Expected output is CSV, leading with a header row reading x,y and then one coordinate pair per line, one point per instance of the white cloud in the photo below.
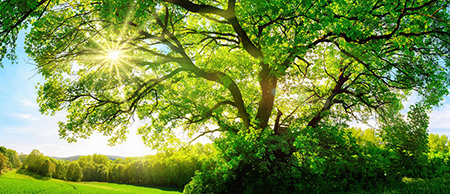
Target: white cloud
x,y
24,116
28,103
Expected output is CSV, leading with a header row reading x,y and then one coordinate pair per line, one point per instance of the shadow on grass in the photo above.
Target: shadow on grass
x,y
32,174
179,189
163,188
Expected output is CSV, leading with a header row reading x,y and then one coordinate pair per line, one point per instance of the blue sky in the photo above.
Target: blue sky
x,y
23,128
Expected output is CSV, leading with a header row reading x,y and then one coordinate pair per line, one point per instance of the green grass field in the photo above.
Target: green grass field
x,y
21,181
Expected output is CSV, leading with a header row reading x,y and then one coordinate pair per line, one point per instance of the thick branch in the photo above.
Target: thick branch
x,y
22,19
229,15
226,81
212,75
330,100
208,113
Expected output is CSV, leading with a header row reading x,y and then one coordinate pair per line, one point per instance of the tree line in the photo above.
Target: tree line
x,y
8,159
171,168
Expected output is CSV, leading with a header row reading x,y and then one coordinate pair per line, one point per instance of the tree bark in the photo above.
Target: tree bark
x,y
268,86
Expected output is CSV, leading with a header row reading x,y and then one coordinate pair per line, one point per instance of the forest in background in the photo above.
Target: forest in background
x,y
170,168
72,158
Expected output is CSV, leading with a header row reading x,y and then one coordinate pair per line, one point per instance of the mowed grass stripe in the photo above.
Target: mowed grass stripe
x,y
13,182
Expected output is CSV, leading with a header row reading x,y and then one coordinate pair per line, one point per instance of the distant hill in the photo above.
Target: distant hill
x,y
73,158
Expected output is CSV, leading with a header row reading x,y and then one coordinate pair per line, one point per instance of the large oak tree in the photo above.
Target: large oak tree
x,y
214,66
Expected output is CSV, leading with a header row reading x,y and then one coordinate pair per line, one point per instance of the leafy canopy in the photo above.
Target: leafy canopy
x,y
191,65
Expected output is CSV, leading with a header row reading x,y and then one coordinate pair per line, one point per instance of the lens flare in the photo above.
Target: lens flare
x,y
114,55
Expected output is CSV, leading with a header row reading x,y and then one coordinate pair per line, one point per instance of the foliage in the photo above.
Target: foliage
x,y
409,185
409,140
13,158
185,64
331,158
17,15
74,172
48,168
247,162
34,161
60,170
3,162
333,161
438,143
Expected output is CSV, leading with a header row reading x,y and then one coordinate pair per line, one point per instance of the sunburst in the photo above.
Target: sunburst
x,y
114,55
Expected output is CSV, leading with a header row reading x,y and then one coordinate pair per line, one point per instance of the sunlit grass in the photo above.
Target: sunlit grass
x,y
22,181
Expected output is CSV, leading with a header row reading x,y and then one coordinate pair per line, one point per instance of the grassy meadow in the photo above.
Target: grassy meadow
x,y
22,181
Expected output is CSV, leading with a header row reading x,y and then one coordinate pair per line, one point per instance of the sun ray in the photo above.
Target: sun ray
x,y
114,55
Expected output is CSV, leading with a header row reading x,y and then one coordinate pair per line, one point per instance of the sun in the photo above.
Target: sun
x,y
114,55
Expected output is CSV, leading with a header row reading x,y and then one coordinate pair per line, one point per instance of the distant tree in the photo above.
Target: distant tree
x,y
438,143
101,159
60,170
74,172
409,138
137,171
22,157
122,171
48,168
182,167
118,160
16,161
89,171
83,161
3,162
113,173
13,158
34,160
3,150
101,173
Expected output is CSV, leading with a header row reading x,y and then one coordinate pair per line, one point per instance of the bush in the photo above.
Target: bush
x,y
327,159
248,163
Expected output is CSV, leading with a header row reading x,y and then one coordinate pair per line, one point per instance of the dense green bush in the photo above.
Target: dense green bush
x,y
326,159
247,163
408,140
